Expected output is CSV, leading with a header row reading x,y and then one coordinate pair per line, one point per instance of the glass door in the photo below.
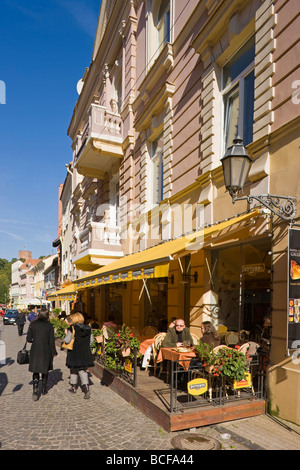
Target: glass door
x,y
241,282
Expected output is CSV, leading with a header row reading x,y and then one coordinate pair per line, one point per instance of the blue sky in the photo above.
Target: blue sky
x,y
45,46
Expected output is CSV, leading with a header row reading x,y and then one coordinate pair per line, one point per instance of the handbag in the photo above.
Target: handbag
x,y
23,356
71,343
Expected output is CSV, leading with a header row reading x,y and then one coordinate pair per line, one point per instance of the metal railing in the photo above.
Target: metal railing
x,y
218,390
129,364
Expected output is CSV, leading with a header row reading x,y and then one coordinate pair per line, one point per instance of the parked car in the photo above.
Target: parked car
x,y
10,317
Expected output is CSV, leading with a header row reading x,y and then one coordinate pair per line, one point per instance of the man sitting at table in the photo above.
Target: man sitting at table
x,y
177,335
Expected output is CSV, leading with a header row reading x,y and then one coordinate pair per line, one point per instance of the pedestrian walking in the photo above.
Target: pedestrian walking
x,y
80,357
20,321
41,335
32,315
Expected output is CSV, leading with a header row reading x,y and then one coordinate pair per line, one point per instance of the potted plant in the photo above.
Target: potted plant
x,y
60,326
98,338
228,363
119,345
231,364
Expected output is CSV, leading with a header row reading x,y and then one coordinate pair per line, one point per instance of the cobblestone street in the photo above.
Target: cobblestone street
x,y
60,421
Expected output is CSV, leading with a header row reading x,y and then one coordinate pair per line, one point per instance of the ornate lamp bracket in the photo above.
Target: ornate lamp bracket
x,y
282,206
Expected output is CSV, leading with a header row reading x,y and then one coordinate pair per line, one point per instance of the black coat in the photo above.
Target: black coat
x,y
41,335
20,319
80,356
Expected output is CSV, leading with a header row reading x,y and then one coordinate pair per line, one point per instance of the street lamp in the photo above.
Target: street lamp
x,y
236,165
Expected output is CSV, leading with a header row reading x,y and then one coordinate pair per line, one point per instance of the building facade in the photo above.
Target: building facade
x,y
154,231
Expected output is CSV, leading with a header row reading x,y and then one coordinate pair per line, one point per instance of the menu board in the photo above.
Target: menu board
x,y
293,333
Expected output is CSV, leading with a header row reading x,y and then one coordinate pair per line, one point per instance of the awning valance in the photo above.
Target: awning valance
x,y
66,293
154,262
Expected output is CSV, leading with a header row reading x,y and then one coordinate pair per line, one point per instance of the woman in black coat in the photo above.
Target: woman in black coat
x,y
80,357
41,335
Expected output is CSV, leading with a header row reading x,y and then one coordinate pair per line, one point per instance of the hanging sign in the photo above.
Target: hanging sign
x,y
293,326
197,386
253,269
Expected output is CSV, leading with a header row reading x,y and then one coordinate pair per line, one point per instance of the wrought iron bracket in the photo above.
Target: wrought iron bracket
x,y
282,206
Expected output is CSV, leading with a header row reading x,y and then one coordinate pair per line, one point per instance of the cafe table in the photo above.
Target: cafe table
x,y
174,356
181,355
145,342
177,355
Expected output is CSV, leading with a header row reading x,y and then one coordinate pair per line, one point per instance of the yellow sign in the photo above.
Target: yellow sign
x,y
243,383
128,365
197,386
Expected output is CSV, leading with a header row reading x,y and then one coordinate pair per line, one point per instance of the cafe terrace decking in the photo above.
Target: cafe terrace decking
x,y
171,407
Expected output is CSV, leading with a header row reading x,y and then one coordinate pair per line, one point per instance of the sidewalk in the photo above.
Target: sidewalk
x,y
60,421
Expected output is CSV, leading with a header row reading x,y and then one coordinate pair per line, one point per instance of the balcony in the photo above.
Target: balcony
x,y
100,144
97,245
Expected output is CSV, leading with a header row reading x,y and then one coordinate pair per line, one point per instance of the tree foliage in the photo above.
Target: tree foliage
x,y
5,279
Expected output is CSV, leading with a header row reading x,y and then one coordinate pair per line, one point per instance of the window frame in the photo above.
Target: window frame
x,y
156,159
153,46
237,84
163,23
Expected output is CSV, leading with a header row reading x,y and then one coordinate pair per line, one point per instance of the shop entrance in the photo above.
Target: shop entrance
x,y
113,304
156,304
241,282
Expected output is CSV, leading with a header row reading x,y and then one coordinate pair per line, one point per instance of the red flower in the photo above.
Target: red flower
x,y
118,334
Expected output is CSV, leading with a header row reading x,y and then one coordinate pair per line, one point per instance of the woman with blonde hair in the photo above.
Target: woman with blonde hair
x,y
80,357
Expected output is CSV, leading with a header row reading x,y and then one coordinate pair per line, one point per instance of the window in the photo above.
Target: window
x,y
159,14
238,95
157,172
163,23
114,204
241,283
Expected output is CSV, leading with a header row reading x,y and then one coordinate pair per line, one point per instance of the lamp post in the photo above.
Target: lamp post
x,y
236,165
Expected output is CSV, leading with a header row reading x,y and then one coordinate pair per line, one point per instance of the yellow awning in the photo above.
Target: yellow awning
x,y
154,262
66,293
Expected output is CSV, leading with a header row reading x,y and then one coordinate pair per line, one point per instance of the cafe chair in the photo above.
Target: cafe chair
x,y
210,371
108,332
244,336
231,338
221,329
150,330
158,339
251,349
195,339
135,331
